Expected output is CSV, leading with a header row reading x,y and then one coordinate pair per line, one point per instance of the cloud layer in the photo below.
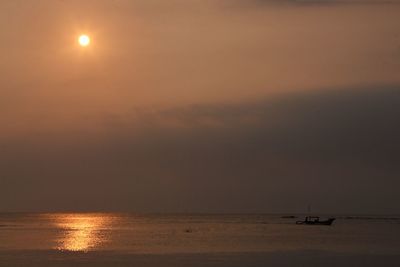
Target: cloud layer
x,y
337,150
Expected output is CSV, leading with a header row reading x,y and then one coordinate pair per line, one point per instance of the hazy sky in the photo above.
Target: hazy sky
x,y
200,105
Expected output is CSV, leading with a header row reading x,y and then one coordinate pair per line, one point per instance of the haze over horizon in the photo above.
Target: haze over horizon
x,y
200,106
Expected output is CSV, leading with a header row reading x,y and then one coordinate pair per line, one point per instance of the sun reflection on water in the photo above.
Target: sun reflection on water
x,y
82,232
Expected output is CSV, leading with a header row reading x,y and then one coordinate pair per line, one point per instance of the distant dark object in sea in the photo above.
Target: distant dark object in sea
x,y
289,217
314,220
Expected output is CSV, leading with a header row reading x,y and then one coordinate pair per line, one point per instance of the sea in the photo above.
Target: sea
x,y
128,239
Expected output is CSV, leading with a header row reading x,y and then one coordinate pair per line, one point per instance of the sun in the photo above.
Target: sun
x,y
84,40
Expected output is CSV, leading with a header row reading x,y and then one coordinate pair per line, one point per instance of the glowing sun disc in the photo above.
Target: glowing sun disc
x,y
84,40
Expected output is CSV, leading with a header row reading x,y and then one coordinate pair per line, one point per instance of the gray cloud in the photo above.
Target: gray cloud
x,y
338,150
324,2
306,3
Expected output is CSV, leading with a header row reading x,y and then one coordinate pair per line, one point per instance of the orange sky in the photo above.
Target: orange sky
x,y
152,53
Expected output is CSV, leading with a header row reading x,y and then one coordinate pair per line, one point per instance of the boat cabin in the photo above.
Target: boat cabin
x,y
313,219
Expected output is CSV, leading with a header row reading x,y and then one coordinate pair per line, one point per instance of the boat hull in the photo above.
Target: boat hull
x,y
326,222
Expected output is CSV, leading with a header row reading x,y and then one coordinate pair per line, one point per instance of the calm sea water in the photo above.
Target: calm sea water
x,y
193,233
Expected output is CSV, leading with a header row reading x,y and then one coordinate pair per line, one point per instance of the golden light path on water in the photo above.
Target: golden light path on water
x,y
82,232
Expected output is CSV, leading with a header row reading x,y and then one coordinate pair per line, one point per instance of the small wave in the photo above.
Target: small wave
x,y
371,218
8,225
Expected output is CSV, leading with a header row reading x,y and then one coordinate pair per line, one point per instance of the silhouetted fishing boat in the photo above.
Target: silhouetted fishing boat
x,y
314,220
